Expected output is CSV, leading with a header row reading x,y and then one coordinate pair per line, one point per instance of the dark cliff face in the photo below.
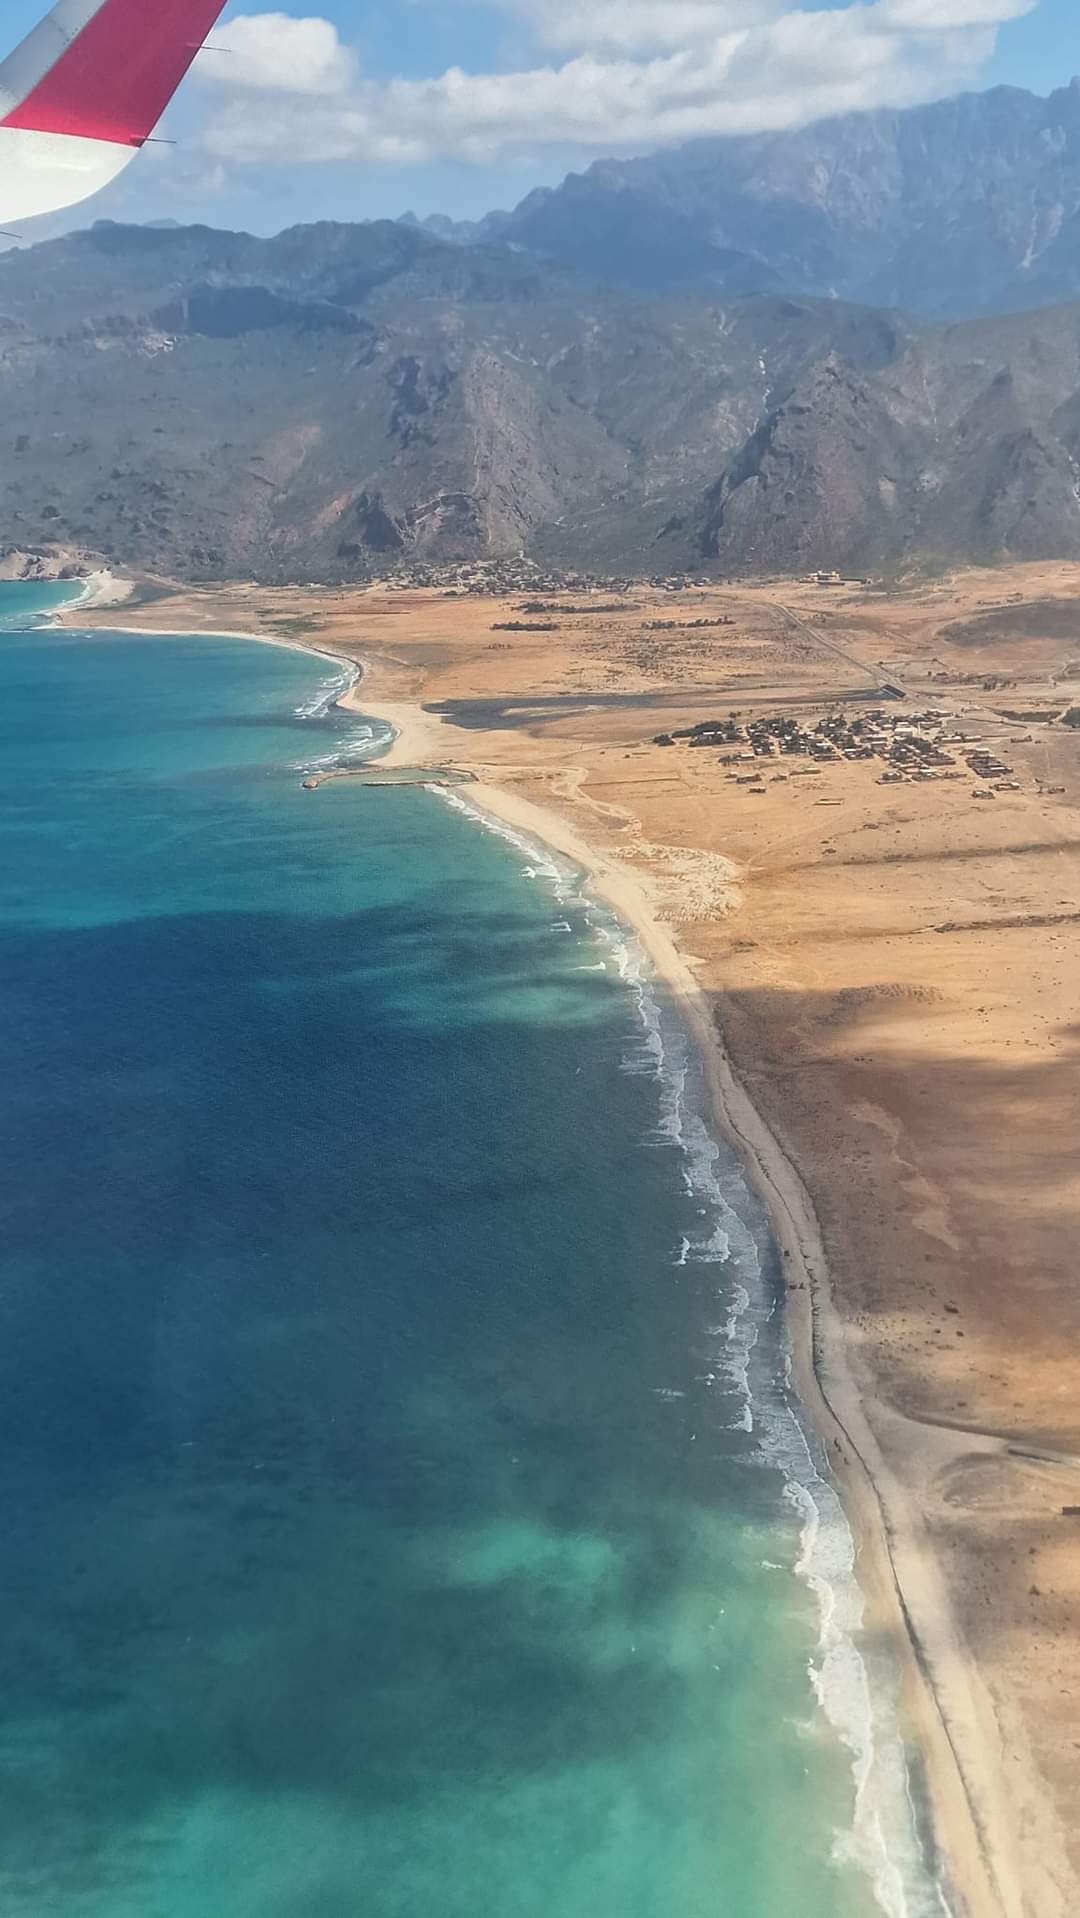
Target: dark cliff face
x,y
339,398
971,205
961,448
829,472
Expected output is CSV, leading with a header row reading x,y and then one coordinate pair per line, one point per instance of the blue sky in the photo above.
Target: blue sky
x,y
1040,52
342,108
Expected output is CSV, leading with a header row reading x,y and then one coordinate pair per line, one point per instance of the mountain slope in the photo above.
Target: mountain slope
x,y
962,447
209,403
340,399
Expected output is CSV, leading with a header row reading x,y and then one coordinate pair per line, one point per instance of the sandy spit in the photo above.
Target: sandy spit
x,y
103,588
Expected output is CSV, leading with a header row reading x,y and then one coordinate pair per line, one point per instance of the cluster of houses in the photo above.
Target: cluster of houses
x,y
494,578
911,745
514,573
998,777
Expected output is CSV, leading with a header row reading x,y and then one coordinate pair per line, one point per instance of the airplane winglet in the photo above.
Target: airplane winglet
x,y
85,90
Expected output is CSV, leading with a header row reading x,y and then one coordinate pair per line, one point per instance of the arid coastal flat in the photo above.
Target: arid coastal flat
x,y
864,839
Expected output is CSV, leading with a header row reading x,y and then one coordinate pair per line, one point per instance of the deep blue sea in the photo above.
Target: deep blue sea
x,y
401,1509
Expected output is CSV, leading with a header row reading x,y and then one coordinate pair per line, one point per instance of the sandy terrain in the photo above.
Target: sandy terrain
x,y
892,972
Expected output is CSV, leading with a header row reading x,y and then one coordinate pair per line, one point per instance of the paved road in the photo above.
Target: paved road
x,y
818,638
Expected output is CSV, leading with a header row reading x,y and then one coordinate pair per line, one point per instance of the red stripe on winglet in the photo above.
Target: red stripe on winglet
x,y
119,74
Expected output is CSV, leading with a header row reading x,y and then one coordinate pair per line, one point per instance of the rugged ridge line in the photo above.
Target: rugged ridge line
x,y
341,399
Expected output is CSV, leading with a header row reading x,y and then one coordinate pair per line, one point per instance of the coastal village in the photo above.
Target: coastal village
x,y
682,641
916,747
875,724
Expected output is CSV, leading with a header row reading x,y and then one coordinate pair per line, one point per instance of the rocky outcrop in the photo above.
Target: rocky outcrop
x,y
16,563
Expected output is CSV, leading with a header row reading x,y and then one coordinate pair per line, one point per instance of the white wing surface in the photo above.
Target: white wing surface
x,y
85,90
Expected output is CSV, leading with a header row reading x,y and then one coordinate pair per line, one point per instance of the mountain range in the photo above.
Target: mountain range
x,y
340,399
970,205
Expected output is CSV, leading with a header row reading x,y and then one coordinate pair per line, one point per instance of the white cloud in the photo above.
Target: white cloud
x,y
642,73
936,16
639,26
275,53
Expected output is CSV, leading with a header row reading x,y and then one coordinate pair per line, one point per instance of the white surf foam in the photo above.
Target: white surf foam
x,y
883,1837
564,879
358,737
330,691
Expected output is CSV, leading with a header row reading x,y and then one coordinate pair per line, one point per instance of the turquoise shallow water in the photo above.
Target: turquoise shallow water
x,y
400,1508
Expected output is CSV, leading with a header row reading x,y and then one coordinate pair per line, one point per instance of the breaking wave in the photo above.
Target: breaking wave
x,y
350,738
329,692
732,1236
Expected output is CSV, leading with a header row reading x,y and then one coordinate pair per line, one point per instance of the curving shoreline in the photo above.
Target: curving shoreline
x,y
947,1705
895,1568
951,1718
